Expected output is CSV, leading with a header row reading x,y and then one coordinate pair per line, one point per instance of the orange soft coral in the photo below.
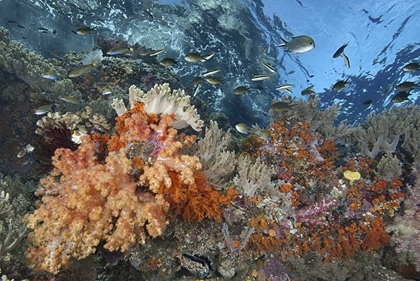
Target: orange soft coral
x,y
118,189
90,202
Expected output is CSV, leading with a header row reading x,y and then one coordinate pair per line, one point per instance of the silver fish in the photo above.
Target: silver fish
x,y
340,50
298,44
43,109
242,128
260,77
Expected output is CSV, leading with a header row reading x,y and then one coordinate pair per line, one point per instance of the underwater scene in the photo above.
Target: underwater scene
x,y
209,140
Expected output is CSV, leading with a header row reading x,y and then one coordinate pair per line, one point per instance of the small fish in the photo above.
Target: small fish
x,y
119,50
407,85
21,26
281,106
21,153
260,77
51,76
197,80
367,102
346,60
106,91
264,50
269,66
211,72
85,30
11,21
242,128
70,99
308,91
288,91
29,148
340,50
43,109
157,52
43,29
240,90
196,57
285,86
167,62
128,69
400,97
148,13
265,135
213,80
298,44
197,87
339,85
81,70
414,66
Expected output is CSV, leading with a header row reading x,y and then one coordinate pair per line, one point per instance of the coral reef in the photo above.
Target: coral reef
x,y
12,209
405,229
217,161
119,189
161,99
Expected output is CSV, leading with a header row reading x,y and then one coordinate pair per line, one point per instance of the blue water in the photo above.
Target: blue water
x,y
382,35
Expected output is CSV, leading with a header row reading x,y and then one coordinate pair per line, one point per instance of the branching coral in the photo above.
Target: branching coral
x,y
12,230
253,176
212,150
405,229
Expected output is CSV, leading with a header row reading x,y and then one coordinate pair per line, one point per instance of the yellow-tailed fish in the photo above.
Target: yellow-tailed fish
x,y
240,90
70,99
207,57
168,62
346,60
281,106
284,86
51,75
269,66
43,109
400,97
197,80
106,91
213,80
340,50
265,134
127,69
197,87
29,148
308,91
157,52
21,153
81,70
339,85
194,57
260,77
414,66
264,50
211,72
298,44
119,50
242,128
407,85
288,91
85,30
